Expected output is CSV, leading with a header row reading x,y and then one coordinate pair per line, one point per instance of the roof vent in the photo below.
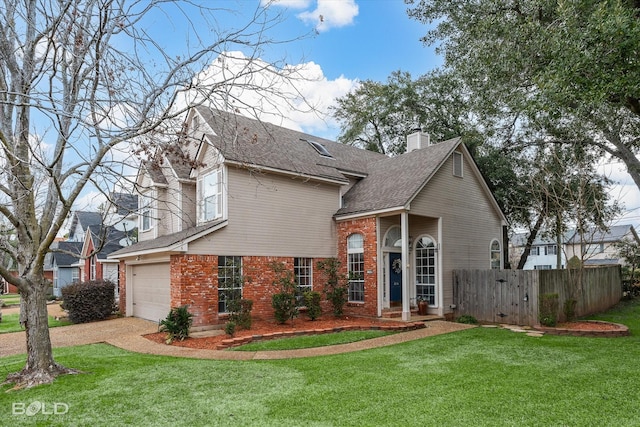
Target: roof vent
x,y
321,149
417,140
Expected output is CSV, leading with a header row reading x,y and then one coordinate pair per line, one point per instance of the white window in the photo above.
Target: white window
x,y
393,238
551,250
210,190
496,255
535,250
75,274
229,280
92,271
355,267
542,267
303,271
146,212
457,164
426,270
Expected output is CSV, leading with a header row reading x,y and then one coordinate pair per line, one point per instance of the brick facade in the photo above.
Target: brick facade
x,y
122,287
366,227
194,282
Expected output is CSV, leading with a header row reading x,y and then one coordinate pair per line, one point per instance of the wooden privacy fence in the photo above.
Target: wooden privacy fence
x,y
512,296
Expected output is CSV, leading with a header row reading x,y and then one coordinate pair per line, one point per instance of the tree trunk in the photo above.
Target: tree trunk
x,y
530,240
40,367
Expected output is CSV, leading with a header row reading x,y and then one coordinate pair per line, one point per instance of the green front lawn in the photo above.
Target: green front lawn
x,y
477,377
311,341
10,299
11,323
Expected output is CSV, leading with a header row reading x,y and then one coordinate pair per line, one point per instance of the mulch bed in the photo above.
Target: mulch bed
x,y
299,326
587,328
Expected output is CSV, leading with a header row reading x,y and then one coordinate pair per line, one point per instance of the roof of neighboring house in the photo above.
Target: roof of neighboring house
x,y
260,144
613,234
520,239
381,188
85,219
169,240
62,253
111,243
125,203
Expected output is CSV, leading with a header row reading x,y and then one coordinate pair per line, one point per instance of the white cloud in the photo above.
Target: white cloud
x,y
297,96
331,14
328,13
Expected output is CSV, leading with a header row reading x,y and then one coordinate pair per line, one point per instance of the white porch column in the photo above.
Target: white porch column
x,y
440,278
404,230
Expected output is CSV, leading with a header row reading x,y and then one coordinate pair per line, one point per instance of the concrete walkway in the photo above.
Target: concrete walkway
x,y
127,333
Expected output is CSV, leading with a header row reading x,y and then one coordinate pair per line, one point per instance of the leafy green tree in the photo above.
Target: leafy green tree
x,y
554,71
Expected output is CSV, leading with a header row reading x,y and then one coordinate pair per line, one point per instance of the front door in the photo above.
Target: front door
x,y
395,278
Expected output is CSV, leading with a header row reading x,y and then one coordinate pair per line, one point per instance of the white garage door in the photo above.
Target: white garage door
x,y
151,296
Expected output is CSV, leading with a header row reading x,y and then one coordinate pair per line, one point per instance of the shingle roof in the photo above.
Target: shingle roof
x,y
165,241
256,143
125,203
155,172
66,259
394,181
85,219
614,234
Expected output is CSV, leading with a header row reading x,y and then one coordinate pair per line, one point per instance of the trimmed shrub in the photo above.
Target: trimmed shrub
x,y
468,319
89,301
284,302
177,324
336,284
548,309
240,312
230,328
312,302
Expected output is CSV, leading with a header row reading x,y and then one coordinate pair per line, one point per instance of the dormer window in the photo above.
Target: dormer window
x,y
321,149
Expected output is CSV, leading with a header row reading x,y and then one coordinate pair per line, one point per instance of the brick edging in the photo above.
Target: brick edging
x,y
621,331
235,342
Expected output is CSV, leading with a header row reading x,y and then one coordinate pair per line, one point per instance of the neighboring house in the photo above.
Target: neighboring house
x,y
64,259
543,254
80,222
252,193
598,247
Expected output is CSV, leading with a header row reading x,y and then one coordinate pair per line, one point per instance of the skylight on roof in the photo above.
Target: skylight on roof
x,y
321,149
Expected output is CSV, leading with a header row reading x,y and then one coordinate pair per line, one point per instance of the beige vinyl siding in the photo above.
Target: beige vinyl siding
x,y
274,215
469,221
145,184
188,202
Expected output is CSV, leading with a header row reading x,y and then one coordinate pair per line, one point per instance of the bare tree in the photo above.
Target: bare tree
x,y
82,84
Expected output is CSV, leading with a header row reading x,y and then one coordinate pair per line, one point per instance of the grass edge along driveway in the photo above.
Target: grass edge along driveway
x,y
475,377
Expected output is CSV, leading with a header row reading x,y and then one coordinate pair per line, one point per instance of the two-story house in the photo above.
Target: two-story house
x,y
597,247
251,193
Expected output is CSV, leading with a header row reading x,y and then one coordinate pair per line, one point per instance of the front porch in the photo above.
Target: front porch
x,y
395,313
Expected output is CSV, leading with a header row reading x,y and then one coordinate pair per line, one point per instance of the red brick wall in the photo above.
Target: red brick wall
x,y
122,288
366,227
194,282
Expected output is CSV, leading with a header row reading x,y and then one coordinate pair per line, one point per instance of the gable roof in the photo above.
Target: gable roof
x,y
613,234
85,219
125,203
254,143
66,259
380,190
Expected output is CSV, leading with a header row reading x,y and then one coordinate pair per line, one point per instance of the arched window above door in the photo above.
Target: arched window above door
x,y
393,238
